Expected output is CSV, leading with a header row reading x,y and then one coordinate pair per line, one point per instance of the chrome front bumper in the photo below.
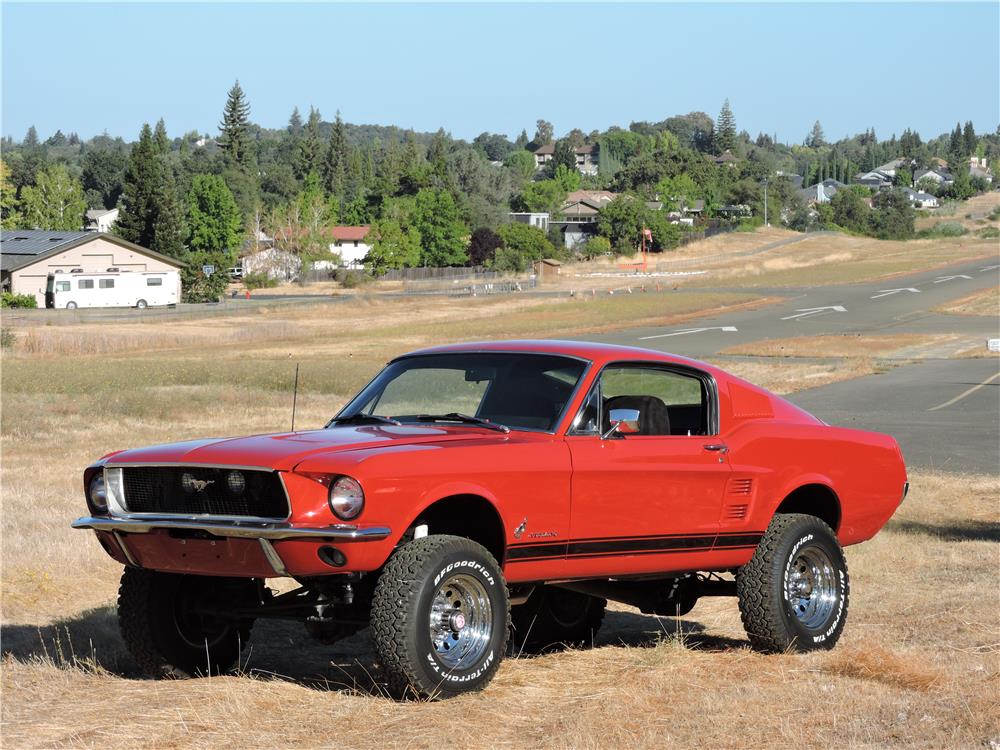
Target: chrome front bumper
x,y
233,528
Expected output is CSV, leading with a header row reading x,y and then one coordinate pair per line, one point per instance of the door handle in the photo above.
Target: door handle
x,y
718,447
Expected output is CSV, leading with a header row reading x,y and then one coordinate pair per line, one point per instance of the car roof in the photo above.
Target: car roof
x,y
590,350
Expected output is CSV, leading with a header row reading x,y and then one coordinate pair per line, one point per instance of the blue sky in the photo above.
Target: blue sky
x,y
472,67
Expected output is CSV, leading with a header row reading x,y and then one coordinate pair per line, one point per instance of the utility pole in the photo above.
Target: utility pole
x,y
766,222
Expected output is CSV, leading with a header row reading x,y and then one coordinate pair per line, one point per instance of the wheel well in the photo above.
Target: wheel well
x,y
814,500
470,516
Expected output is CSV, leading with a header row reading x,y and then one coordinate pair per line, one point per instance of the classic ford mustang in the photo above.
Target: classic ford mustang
x,y
477,494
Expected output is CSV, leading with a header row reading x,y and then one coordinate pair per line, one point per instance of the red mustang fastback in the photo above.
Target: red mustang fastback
x,y
479,493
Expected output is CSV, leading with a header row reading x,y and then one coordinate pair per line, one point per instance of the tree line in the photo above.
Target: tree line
x,y
431,199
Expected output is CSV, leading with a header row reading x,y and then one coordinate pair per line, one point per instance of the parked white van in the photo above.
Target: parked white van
x,y
111,288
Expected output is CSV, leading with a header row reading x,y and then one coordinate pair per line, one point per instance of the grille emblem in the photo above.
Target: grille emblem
x,y
191,485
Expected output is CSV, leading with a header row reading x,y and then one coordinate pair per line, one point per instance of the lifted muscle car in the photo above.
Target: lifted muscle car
x,y
480,497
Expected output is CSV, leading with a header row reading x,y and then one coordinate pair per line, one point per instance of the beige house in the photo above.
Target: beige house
x,y
27,257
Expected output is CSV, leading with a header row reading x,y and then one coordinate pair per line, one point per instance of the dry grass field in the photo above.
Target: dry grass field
x,y
985,302
906,346
919,663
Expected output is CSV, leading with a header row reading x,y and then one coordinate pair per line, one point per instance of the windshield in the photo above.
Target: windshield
x,y
519,391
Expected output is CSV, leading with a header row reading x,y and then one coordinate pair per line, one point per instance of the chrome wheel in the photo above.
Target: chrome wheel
x,y
811,587
461,621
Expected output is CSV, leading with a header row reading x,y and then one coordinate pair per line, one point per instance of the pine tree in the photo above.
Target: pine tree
x,y
234,138
160,138
969,138
725,129
142,175
522,141
295,123
168,222
150,213
816,138
30,138
956,146
335,166
310,148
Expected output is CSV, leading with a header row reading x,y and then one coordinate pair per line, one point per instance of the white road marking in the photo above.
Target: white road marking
x,y
951,278
807,311
969,392
887,292
989,268
728,329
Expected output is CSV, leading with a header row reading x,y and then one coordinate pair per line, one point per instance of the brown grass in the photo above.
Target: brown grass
x,y
853,346
917,666
984,302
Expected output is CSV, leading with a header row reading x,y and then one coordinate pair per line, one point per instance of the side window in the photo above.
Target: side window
x,y
62,286
106,283
85,284
647,401
154,281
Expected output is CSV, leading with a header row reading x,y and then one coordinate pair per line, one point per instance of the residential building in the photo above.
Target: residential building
x,y
890,168
726,158
577,220
938,175
980,168
821,192
100,219
586,157
351,243
538,219
876,179
920,199
28,257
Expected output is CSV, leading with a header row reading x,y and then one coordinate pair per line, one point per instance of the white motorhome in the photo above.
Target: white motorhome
x,y
111,288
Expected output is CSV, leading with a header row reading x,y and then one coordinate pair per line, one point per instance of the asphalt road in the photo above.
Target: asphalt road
x,y
945,413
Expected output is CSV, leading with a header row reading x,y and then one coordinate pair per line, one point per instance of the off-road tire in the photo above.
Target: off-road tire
x,y
768,616
401,610
553,618
149,609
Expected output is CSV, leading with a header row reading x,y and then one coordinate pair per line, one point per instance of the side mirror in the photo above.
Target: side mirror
x,y
623,422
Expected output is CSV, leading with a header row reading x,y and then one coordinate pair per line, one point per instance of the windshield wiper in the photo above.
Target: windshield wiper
x,y
455,416
361,418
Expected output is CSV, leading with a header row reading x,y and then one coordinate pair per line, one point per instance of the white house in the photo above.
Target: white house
x,y
921,199
538,219
351,244
100,219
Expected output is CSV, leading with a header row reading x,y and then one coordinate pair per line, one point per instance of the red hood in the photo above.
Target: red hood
x,y
283,451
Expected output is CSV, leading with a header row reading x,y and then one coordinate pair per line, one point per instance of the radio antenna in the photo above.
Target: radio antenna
x,y
295,394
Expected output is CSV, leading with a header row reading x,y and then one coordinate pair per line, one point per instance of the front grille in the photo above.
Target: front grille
x,y
188,490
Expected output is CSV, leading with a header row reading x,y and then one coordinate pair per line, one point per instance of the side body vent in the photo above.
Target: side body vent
x,y
739,492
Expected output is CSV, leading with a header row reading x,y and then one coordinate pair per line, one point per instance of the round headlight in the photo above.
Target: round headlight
x,y
97,493
347,499
236,482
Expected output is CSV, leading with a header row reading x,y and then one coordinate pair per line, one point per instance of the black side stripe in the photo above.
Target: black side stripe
x,y
631,546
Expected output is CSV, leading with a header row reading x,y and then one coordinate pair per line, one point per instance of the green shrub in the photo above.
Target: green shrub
x,y
595,247
259,280
989,233
9,299
944,229
351,279
995,213
7,338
